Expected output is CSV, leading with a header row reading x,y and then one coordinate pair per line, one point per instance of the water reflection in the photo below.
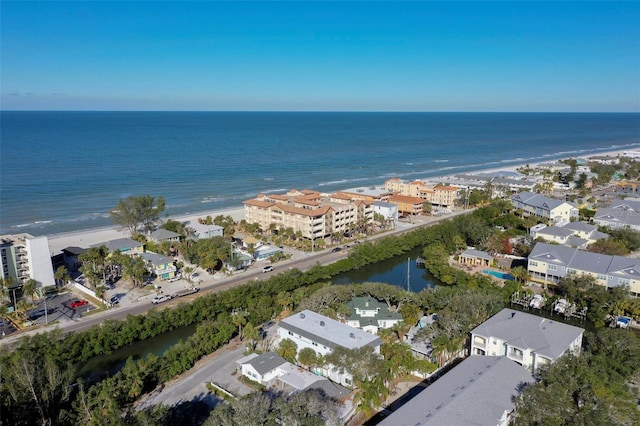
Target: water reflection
x,y
400,271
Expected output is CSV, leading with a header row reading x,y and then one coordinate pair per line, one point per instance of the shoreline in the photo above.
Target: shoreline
x,y
87,237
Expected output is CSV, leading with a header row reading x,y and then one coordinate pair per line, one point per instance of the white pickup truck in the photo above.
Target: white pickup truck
x,y
160,298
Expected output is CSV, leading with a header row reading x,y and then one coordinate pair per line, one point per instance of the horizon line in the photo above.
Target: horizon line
x,y
322,111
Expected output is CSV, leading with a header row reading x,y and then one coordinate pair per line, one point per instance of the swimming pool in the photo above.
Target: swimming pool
x,y
501,275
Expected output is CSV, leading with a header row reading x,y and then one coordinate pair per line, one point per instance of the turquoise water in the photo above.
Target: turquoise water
x,y
501,275
64,171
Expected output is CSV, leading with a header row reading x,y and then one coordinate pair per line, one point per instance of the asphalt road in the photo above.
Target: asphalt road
x,y
304,263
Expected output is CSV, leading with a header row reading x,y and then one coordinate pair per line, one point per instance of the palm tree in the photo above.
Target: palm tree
x,y
31,290
62,276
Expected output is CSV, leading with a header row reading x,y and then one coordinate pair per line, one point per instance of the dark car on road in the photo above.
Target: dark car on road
x,y
336,249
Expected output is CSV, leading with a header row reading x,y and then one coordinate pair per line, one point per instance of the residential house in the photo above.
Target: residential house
x,y
309,329
621,214
478,391
125,246
26,257
527,339
201,232
628,188
272,371
387,210
161,234
533,204
572,234
161,266
549,263
475,257
264,252
70,256
371,315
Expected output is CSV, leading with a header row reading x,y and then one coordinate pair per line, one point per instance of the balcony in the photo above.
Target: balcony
x,y
516,354
480,342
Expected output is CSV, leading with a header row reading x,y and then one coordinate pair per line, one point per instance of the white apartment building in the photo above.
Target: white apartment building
x,y
26,257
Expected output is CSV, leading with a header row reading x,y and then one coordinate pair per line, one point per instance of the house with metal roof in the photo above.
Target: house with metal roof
x,y
162,234
371,315
159,265
549,263
123,245
533,204
309,329
202,232
527,339
478,391
475,257
572,234
621,214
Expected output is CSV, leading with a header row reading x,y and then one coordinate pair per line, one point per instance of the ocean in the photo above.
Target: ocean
x,y
64,171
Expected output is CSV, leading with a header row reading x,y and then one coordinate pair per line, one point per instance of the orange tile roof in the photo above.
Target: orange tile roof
x,y
406,199
258,203
304,212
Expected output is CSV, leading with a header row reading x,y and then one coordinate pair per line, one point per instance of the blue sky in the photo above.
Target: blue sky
x,y
317,56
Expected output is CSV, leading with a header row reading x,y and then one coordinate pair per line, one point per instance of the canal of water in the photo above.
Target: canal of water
x,y
391,271
401,271
100,366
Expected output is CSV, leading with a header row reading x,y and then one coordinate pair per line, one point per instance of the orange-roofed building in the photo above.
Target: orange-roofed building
x,y
444,196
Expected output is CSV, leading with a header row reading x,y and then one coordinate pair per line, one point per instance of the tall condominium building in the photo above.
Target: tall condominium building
x,y
26,257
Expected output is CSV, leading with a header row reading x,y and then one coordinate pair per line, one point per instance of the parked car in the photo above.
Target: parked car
x,y
336,249
160,298
174,279
267,269
77,303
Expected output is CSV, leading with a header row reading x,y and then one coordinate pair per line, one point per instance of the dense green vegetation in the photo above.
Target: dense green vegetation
x,y
38,385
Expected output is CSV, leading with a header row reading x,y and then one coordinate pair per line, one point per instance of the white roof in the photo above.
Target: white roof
x,y
327,331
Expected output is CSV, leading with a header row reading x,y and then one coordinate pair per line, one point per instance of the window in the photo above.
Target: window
x,y
552,267
602,277
623,281
533,263
290,333
571,271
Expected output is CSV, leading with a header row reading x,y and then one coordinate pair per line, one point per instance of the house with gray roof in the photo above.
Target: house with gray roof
x,y
271,370
475,257
478,391
123,245
159,265
161,234
309,329
533,204
572,234
547,264
201,232
527,339
371,315
621,214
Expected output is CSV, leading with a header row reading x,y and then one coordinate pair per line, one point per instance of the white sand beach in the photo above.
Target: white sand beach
x,y
89,237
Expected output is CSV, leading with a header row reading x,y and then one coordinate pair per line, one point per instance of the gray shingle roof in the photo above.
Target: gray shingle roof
x,y
163,234
266,362
156,259
580,227
546,337
475,392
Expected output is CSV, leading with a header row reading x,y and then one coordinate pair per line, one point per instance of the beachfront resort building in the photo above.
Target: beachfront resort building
x,y
533,204
26,257
478,391
312,214
371,315
527,339
438,195
309,329
549,263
